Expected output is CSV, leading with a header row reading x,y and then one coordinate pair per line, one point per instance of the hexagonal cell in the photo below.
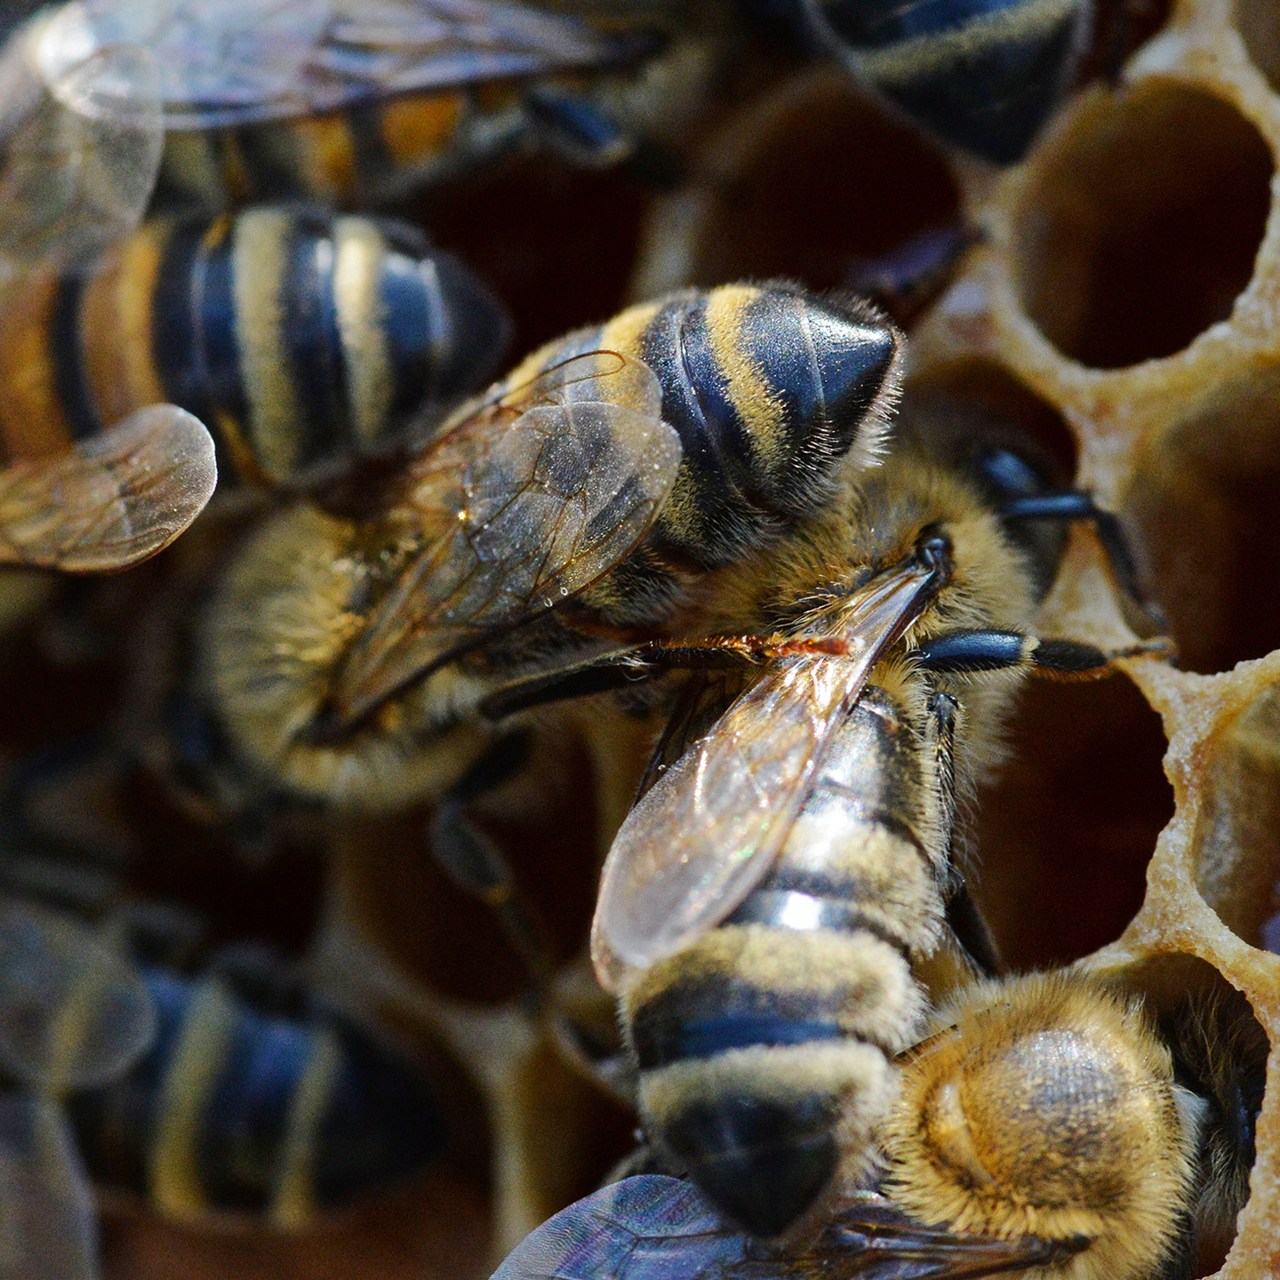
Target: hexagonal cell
x,y
1201,507
1140,223
1258,22
1072,818
992,399
1237,835
810,183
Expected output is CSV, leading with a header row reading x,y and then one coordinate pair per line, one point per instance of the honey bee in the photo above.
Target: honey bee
x,y
347,105
982,76
1041,1127
309,341
217,1102
80,152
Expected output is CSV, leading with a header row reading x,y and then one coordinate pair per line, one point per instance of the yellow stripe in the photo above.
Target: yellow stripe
x,y
173,1172
293,1199
359,249
259,260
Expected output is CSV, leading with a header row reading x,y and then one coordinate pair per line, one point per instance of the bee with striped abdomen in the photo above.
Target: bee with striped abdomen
x,y
239,1098
336,103
309,341
103,503
983,76
1045,1127
705,483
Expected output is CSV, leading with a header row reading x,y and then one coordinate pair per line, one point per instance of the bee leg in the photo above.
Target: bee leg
x,y
963,917
1075,504
968,652
475,863
586,135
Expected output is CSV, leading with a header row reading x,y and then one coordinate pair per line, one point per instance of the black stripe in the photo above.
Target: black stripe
x,y
246,1116
216,353
175,320
313,341
66,354
766,906
662,1045
659,1026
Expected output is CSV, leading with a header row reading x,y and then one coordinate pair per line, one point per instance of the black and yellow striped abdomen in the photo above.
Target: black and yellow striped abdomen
x,y
770,389
765,1047
344,158
234,1110
303,339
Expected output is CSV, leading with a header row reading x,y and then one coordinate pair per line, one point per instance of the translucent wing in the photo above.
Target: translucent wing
x,y
236,62
120,497
48,1227
643,1228
81,134
656,1228
524,504
706,832
73,1013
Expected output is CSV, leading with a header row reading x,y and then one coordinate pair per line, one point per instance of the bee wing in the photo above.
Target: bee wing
x,y
655,1228
236,62
46,1202
643,1228
524,504
707,831
80,139
73,1013
120,497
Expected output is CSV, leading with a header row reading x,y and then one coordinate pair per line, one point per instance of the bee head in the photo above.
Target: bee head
x,y
1046,1108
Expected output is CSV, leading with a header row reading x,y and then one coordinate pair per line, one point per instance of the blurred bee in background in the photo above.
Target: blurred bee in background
x,y
245,1100
1043,1126
979,75
311,342
348,105
80,155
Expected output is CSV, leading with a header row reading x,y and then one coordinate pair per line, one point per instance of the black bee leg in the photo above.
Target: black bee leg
x,y
968,926
586,135
1074,504
966,652
474,862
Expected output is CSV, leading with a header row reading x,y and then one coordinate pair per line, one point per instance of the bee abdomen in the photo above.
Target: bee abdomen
x,y
983,75
234,1110
768,388
762,1051
305,340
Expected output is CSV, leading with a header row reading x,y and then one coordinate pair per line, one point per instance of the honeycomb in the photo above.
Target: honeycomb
x,y
1123,305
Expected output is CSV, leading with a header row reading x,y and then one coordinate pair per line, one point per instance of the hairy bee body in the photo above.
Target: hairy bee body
x,y
1047,1126
235,1110
766,1046
769,390
306,340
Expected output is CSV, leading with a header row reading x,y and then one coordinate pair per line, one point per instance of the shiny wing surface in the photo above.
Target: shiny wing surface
x,y
50,1229
118,498
237,62
707,831
80,142
73,1013
656,1228
643,1228
521,506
